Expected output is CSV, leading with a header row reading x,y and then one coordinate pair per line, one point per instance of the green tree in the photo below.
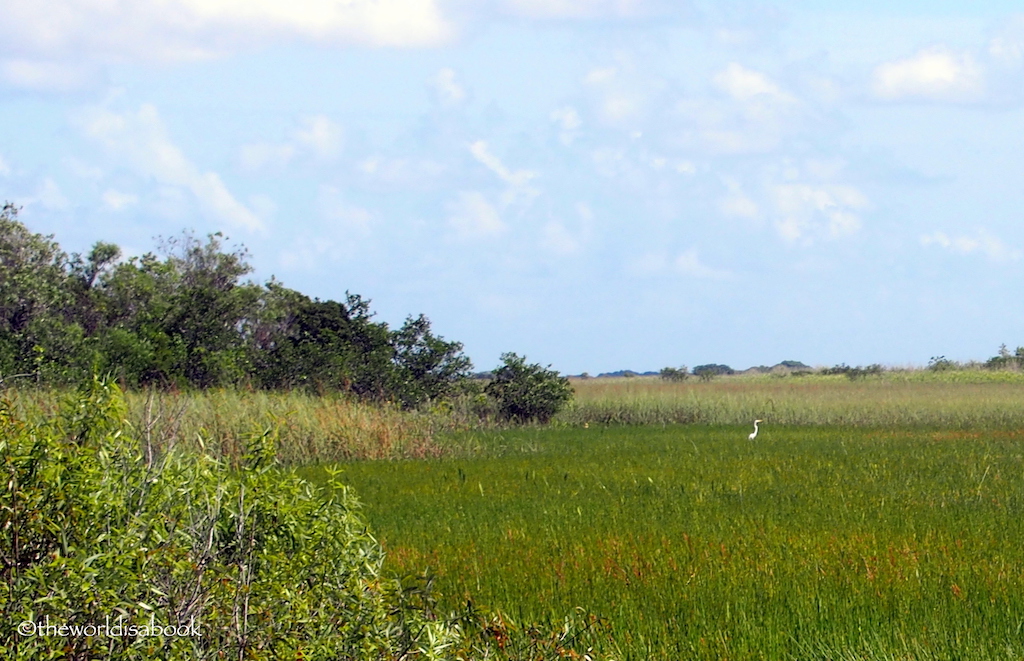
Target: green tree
x,y
426,366
711,370
84,275
209,307
675,374
134,299
526,392
329,345
38,332
188,316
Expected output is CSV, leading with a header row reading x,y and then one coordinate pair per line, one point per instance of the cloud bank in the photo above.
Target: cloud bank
x,y
140,140
59,45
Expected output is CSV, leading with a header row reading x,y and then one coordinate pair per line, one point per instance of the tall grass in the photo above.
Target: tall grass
x,y
333,427
312,428
956,400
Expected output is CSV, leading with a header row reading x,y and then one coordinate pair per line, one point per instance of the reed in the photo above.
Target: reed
x,y
312,428
956,400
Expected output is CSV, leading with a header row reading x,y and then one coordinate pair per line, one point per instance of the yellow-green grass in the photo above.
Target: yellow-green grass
x,y
956,399
334,427
311,428
808,543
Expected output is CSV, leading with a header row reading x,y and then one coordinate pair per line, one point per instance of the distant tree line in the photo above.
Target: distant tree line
x,y
187,316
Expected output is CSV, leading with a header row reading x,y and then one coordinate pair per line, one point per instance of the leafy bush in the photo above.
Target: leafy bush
x,y
527,392
99,531
711,370
854,373
941,364
675,374
1005,360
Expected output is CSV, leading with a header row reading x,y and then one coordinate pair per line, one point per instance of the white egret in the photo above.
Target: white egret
x,y
754,435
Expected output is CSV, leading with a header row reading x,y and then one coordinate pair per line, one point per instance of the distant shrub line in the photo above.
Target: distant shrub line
x,y
1003,361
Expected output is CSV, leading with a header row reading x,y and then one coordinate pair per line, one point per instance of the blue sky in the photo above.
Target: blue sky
x,y
599,184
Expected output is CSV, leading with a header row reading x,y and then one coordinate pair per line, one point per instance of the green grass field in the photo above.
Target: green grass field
x,y
812,542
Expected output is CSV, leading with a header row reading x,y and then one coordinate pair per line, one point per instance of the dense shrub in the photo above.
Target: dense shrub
x,y
527,392
99,531
1006,360
711,370
854,373
674,374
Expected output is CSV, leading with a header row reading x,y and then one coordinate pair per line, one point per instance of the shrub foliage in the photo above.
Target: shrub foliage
x,y
527,392
99,531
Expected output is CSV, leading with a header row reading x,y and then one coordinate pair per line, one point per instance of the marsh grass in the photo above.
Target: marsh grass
x,y
956,399
312,428
333,427
810,543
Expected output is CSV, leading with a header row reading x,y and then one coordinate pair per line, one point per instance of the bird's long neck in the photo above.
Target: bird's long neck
x,y
755,426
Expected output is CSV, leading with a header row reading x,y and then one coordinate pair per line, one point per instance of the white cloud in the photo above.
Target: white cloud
x,y
1007,47
600,75
568,120
341,214
556,238
686,263
316,136
638,168
752,114
49,75
5,169
341,231
118,201
806,210
585,212
84,170
984,244
518,180
446,89
745,84
935,74
481,152
111,31
262,154
623,93
50,196
140,140
307,252
320,136
263,205
736,203
472,216
404,173
583,9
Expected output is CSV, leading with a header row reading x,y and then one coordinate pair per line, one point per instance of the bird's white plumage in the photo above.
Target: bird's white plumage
x,y
754,435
